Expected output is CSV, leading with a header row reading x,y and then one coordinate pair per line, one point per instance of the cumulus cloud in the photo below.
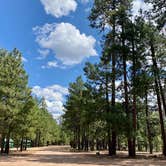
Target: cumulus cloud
x,y
54,96
66,42
50,64
53,64
59,8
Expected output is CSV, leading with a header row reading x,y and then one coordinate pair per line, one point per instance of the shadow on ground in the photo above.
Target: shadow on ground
x,y
63,156
91,159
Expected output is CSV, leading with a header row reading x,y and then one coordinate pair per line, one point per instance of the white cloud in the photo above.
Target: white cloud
x,y
66,41
140,4
59,8
54,96
43,53
50,64
24,59
53,64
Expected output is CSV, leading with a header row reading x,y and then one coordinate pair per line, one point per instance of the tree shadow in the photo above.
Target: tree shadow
x,y
92,159
63,155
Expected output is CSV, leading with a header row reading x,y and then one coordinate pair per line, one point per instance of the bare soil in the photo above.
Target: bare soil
x,y
62,156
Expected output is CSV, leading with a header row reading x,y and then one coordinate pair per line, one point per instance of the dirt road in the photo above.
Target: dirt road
x,y
61,156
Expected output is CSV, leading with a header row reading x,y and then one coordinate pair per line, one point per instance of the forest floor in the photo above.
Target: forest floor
x,y
62,156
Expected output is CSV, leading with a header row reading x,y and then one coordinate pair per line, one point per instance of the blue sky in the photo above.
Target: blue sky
x,y
55,39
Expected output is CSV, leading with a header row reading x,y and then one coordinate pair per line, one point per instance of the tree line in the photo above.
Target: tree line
x,y
23,117
120,103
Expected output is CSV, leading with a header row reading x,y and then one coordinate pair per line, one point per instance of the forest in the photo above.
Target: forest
x,y
24,119
119,104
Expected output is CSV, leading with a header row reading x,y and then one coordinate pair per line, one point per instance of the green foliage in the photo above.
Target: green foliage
x,y
119,90
158,12
22,117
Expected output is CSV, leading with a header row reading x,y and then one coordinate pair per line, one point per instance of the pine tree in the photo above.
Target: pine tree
x,y
103,13
158,12
13,84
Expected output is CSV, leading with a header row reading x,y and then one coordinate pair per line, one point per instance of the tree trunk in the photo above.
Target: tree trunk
x,y
78,139
108,111
148,125
25,147
86,143
162,95
157,75
159,102
7,145
39,135
18,142
118,144
21,145
130,142
2,143
91,144
75,139
36,139
161,118
82,142
87,139
134,97
139,146
113,143
97,144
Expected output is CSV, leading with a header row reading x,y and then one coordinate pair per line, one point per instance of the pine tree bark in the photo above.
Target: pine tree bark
x,y
134,98
86,143
156,72
157,89
39,135
21,144
108,123
26,140
130,142
113,142
78,139
7,145
2,143
148,124
114,137
161,118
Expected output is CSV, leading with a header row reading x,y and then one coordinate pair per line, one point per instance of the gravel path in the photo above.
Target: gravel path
x,y
61,156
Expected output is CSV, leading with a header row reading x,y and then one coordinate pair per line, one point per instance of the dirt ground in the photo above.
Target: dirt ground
x,y
62,156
